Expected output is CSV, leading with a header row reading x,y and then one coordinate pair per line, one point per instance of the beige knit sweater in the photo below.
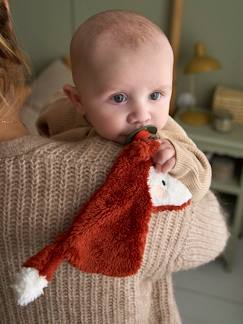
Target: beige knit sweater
x,y
43,184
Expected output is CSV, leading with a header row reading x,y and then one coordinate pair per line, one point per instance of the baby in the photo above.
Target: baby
x,y
122,67
123,77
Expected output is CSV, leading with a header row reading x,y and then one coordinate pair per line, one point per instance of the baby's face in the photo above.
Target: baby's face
x,y
127,89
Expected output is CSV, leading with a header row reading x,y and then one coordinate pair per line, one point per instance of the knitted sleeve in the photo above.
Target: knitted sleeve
x,y
206,235
59,117
192,166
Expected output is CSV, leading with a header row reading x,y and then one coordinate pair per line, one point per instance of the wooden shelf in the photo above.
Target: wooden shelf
x,y
228,144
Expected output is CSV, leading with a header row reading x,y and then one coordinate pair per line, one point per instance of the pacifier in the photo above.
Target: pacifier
x,y
148,131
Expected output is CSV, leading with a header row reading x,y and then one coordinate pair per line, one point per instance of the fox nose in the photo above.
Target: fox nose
x,y
138,116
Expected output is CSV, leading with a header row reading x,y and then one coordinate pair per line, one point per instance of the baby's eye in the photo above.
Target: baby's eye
x,y
119,98
155,95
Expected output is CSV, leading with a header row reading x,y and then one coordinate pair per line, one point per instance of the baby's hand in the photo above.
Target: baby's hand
x,y
164,159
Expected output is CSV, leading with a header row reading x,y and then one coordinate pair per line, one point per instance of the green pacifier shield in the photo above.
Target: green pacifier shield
x,y
150,128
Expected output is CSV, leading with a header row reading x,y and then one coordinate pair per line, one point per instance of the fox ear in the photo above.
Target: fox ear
x,y
73,95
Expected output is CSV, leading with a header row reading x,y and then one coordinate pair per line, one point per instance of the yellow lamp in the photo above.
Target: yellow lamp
x,y
200,62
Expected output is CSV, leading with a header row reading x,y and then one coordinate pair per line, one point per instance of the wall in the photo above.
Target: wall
x,y
158,12
45,28
219,25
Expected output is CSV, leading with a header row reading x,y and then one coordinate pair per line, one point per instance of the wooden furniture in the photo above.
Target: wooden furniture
x,y
230,100
175,33
229,144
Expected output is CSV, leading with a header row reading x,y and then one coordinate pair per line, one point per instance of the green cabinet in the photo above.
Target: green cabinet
x,y
226,144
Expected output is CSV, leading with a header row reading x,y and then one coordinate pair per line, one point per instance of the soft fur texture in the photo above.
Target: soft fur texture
x,y
29,285
108,235
166,190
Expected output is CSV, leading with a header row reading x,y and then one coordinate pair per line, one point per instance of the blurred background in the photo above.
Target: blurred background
x,y
45,29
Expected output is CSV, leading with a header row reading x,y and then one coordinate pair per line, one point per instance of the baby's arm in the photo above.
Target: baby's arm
x,y
191,165
59,120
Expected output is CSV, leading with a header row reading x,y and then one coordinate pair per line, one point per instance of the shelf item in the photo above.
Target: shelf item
x,y
195,118
230,100
222,121
222,168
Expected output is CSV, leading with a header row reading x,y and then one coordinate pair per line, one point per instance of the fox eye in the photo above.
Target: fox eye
x,y
119,98
163,182
156,95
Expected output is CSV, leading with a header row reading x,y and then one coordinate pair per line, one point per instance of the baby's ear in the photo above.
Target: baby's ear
x,y
73,95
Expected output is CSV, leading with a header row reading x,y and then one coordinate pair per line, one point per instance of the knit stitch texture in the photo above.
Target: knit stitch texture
x,y
43,184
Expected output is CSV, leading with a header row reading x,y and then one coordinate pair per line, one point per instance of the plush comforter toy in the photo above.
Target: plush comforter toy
x,y
109,233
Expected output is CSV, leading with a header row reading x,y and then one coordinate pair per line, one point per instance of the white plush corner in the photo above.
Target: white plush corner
x,y
44,88
28,285
166,190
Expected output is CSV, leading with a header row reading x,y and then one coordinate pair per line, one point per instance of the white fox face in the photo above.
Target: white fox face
x,y
166,190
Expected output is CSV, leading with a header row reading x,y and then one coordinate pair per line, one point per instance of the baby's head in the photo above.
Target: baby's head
x,y
122,66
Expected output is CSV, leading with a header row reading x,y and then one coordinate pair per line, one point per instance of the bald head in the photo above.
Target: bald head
x,y
121,60
116,28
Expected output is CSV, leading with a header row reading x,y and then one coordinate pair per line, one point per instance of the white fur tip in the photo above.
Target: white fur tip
x,y
29,285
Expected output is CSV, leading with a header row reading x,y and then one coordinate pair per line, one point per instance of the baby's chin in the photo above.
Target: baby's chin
x,y
121,139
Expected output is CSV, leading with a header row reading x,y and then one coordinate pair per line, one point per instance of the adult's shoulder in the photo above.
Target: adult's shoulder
x,y
94,149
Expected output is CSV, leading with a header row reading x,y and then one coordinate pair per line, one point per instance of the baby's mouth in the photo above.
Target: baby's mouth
x,y
150,128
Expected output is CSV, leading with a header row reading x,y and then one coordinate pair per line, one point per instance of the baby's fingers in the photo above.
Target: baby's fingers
x,y
168,165
163,156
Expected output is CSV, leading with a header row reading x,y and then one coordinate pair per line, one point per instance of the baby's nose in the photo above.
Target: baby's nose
x,y
138,116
